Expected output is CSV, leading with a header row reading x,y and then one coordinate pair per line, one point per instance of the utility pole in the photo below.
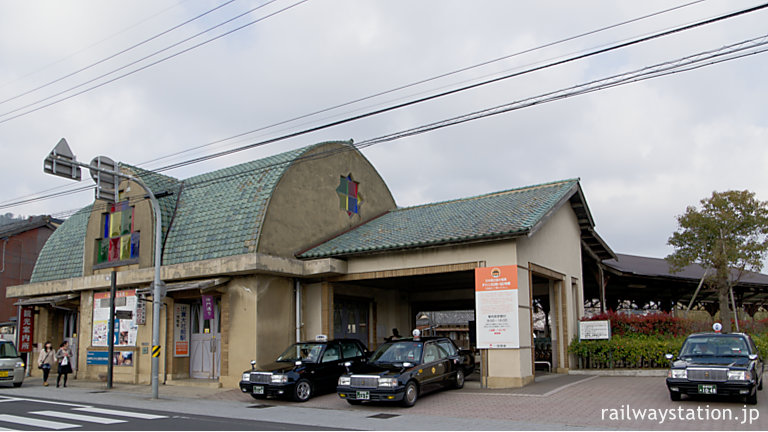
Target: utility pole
x,y
63,163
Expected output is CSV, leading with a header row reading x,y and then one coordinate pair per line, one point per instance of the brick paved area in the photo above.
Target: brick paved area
x,y
593,402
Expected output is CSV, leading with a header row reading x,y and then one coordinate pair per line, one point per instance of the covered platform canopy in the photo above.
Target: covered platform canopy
x,y
648,283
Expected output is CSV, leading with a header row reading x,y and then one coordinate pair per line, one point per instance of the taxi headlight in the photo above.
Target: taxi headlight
x,y
20,364
678,373
388,382
279,379
345,381
246,376
738,375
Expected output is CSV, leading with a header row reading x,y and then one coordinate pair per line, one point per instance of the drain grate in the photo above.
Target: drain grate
x,y
100,391
259,406
384,416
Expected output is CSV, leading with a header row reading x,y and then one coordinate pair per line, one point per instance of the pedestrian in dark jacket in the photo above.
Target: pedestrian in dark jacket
x,y
64,356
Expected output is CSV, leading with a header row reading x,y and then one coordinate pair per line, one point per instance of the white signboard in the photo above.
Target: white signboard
x,y
496,307
181,330
594,330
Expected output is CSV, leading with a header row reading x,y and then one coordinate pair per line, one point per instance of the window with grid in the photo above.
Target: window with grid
x,y
119,241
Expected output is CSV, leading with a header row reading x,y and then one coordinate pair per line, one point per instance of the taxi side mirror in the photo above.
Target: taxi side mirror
x,y
669,357
253,364
753,356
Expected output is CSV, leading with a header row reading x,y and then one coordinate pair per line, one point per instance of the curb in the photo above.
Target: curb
x,y
621,372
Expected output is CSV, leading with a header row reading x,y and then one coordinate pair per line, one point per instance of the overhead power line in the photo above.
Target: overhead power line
x,y
141,68
731,52
90,46
465,88
426,80
114,55
398,106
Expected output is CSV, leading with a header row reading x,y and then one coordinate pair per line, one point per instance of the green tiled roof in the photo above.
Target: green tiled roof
x,y
500,214
158,183
212,215
220,213
62,254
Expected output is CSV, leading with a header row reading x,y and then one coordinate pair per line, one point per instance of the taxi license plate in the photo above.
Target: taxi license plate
x,y
363,395
707,389
3,374
258,390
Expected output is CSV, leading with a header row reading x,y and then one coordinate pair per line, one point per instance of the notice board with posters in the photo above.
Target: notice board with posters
x,y
125,329
496,307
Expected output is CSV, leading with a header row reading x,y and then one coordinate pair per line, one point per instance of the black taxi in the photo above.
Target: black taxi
x,y
716,364
304,369
402,370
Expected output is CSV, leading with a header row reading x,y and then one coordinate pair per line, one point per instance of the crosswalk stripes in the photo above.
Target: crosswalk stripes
x,y
78,417
31,421
120,413
65,419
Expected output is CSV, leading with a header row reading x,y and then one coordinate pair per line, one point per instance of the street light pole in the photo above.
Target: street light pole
x,y
62,162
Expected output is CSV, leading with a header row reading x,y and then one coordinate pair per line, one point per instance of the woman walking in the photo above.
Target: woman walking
x,y
46,360
64,356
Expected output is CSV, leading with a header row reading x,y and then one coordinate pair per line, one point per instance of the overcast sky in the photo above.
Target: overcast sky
x,y
643,151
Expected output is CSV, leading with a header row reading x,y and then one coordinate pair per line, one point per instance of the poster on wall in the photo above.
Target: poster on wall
x,y
181,330
125,329
496,307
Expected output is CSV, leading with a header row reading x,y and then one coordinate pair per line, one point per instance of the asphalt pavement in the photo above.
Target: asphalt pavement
x,y
553,402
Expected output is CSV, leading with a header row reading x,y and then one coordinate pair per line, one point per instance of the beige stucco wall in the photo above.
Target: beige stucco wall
x,y
275,314
304,209
557,246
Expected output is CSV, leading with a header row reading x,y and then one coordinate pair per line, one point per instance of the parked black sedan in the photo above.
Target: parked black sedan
x,y
400,371
716,364
304,369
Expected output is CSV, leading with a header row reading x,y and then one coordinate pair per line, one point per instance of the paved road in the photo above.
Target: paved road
x,y
38,414
554,402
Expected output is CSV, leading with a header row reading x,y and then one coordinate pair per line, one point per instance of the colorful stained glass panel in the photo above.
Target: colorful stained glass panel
x,y
127,220
125,247
135,245
103,252
114,249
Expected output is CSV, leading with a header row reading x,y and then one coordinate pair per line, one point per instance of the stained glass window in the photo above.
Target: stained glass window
x,y
119,242
349,198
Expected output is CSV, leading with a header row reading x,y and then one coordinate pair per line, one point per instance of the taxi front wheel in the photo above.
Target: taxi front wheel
x,y
302,391
459,380
411,394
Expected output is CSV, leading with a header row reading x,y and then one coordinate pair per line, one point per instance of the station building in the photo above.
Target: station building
x,y
307,242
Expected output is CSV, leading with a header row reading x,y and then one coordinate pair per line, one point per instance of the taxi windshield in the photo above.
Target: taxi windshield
x,y
7,350
306,352
720,346
398,352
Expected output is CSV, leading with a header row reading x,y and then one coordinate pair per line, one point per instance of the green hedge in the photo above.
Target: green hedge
x,y
626,351
636,352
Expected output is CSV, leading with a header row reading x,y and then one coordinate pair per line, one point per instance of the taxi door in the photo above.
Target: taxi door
x,y
330,368
433,369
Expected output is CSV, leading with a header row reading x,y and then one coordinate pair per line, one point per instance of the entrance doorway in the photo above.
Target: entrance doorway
x,y
350,319
205,342
547,322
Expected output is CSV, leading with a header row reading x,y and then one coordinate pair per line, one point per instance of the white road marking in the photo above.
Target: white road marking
x,y
43,401
64,415
29,421
120,413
